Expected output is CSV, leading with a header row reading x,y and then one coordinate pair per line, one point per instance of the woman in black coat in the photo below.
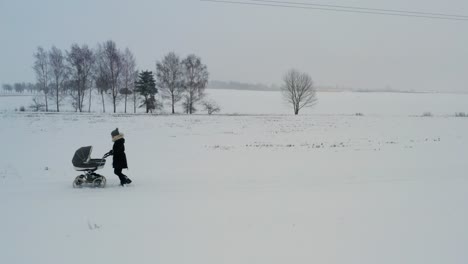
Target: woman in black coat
x,y
120,159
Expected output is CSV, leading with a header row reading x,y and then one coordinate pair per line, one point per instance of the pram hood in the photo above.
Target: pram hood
x,y
82,156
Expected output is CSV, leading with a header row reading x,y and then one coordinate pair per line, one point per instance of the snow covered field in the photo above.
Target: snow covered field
x,y
329,103
323,187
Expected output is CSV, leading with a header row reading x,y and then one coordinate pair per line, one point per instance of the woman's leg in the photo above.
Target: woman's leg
x,y
123,178
118,172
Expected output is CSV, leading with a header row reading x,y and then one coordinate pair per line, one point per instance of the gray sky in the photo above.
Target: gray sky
x,y
253,44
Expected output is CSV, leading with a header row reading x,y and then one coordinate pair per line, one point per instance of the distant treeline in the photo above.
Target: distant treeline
x,y
232,85
20,88
81,73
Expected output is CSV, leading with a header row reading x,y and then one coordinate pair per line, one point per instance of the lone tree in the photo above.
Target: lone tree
x,y
298,90
169,78
146,87
195,80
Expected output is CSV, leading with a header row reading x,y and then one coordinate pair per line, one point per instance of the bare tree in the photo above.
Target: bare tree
x,y
111,61
129,74
298,90
102,79
81,61
37,104
7,87
19,87
211,107
195,76
169,78
42,70
59,74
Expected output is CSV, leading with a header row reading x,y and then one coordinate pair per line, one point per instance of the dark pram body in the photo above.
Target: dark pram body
x,y
82,162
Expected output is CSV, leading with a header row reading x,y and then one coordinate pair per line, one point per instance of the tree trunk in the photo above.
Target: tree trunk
x,y
125,111
103,104
113,100
57,96
81,100
172,95
78,101
190,103
134,101
46,103
58,108
90,93
146,104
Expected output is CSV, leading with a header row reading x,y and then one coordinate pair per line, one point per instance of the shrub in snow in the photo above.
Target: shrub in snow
x,y
359,114
211,107
37,105
461,114
427,114
22,109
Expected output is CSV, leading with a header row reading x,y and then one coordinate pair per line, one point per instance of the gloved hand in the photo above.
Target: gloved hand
x,y
108,154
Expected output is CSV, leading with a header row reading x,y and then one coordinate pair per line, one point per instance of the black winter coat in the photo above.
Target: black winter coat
x,y
118,151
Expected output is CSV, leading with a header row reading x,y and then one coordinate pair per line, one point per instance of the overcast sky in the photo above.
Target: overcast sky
x,y
253,44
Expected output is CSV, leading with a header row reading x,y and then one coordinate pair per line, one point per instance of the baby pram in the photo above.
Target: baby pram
x,y
82,162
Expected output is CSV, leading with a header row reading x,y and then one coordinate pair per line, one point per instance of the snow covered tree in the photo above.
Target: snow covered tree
x,y
169,78
195,77
42,70
298,90
146,87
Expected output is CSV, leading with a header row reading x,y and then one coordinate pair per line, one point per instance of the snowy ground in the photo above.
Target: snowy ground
x,y
324,187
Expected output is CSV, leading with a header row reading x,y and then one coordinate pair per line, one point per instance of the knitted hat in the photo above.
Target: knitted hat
x,y
115,132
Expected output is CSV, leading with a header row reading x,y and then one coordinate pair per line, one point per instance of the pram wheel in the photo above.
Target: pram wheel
x,y
99,182
79,181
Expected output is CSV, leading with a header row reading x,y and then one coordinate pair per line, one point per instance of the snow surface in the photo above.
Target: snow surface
x,y
323,187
